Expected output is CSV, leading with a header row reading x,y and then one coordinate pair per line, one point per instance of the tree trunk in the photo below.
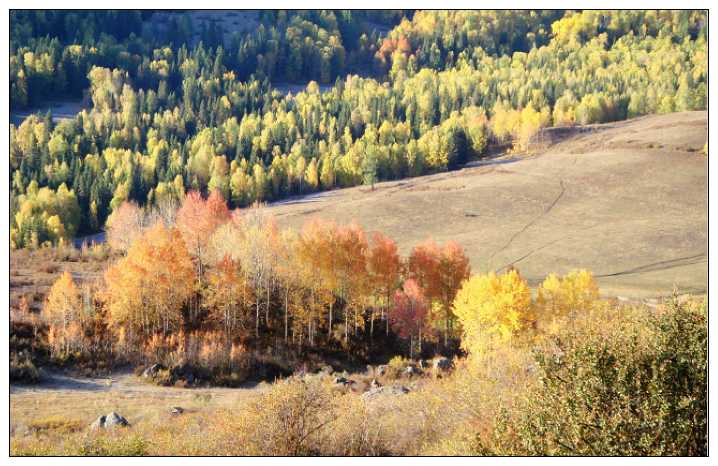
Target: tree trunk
x,y
286,314
256,323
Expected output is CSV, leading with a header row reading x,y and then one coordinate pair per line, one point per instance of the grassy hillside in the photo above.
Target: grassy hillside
x,y
627,200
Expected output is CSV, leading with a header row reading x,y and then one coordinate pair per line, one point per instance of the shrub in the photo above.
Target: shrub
x,y
22,369
288,420
396,367
638,387
55,424
112,445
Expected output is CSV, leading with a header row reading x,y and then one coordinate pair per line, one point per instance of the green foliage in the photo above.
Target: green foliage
x,y
639,388
169,115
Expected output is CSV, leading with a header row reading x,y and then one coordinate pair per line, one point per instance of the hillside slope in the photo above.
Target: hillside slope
x,y
627,200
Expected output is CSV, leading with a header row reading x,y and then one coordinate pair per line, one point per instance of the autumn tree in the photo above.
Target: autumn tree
x,y
384,268
62,312
317,248
226,296
492,307
146,291
575,293
351,245
196,220
409,312
440,272
256,252
125,225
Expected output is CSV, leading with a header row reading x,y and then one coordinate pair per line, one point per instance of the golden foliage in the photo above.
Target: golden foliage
x,y
491,306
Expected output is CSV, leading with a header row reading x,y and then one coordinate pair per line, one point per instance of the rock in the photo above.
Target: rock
x,y
343,381
113,419
183,373
176,410
375,383
326,369
422,364
391,390
412,370
443,364
152,371
99,423
109,421
381,370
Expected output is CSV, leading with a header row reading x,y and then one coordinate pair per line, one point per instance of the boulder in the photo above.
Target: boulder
x,y
390,390
176,410
381,370
98,423
443,364
326,369
152,371
343,381
109,421
113,419
412,371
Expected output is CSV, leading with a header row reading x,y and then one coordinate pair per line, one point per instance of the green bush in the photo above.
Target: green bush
x,y
22,369
639,390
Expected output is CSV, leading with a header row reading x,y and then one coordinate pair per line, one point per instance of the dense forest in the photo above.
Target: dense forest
x,y
173,110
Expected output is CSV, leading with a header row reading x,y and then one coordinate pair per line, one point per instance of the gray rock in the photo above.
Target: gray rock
x,y
152,371
98,423
381,370
443,364
326,369
412,371
109,421
113,419
390,390
176,410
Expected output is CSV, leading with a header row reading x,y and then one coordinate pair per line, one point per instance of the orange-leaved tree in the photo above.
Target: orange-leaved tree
x,y
384,267
409,312
227,296
440,271
145,291
197,219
